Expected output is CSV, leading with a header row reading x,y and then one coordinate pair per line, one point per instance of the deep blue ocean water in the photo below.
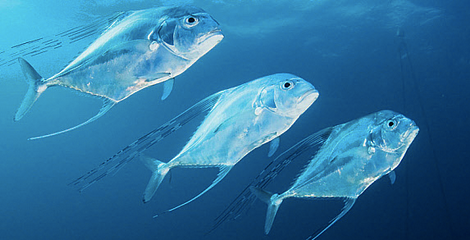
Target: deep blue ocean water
x,y
349,50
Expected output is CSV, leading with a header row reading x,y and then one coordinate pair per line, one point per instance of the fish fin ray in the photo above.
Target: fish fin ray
x,y
107,105
348,203
113,164
167,88
66,38
224,170
36,86
274,145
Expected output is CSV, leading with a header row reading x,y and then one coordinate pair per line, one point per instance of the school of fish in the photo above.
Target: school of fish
x,y
138,49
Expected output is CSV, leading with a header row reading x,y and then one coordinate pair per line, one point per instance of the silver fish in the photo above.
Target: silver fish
x,y
350,158
140,49
240,120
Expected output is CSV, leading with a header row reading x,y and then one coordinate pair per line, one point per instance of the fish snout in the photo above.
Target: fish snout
x,y
412,131
309,95
414,127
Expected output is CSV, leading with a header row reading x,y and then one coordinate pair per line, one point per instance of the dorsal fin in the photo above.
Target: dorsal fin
x,y
66,38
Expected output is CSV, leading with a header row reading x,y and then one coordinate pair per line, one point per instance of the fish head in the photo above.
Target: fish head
x,y
188,32
287,95
392,133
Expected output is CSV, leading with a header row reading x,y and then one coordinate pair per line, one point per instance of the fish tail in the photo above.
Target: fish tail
x,y
273,201
159,169
37,85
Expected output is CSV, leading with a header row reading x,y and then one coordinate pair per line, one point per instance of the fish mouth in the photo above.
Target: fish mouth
x,y
409,135
412,131
215,33
311,94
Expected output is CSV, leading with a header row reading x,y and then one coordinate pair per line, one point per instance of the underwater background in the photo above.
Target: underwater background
x,y
349,50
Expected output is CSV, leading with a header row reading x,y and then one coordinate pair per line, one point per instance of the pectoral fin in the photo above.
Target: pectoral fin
x,y
156,77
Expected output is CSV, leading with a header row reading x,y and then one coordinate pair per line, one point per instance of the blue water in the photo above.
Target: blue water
x,y
350,52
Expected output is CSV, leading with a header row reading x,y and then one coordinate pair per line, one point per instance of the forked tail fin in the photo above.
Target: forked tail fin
x,y
159,169
36,87
273,201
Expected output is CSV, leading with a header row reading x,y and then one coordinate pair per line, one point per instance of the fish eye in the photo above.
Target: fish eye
x,y
287,85
191,21
391,124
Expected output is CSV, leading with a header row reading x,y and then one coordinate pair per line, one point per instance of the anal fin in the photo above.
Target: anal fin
x,y
348,203
222,173
107,104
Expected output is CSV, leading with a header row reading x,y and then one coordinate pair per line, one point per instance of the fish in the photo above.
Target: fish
x,y
239,120
343,161
139,49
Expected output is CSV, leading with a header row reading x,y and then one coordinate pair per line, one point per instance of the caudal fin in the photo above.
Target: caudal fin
x,y
273,201
159,169
36,87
